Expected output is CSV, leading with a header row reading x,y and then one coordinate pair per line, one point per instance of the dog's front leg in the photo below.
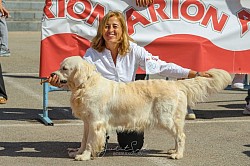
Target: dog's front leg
x,y
95,141
86,155
78,151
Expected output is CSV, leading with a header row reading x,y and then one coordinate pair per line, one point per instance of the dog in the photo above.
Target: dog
x,y
104,104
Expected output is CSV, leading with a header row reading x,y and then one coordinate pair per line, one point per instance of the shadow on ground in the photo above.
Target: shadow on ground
x,y
23,114
247,152
65,113
36,149
53,149
235,110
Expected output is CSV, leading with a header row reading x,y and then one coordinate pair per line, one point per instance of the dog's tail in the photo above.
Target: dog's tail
x,y
199,88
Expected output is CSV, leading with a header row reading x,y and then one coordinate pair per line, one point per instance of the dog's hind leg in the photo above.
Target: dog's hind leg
x,y
179,137
171,115
175,125
177,131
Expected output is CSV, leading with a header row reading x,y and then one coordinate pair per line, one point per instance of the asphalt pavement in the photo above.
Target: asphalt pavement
x,y
220,136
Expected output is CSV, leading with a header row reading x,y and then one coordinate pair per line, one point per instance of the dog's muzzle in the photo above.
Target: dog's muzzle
x,y
52,74
61,81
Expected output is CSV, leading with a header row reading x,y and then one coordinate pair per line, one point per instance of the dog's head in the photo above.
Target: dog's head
x,y
74,71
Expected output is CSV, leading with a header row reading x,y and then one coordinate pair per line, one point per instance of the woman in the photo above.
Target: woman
x,y
4,13
117,58
3,95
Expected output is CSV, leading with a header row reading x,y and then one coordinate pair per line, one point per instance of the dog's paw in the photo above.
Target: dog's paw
x,y
176,156
171,151
85,156
72,152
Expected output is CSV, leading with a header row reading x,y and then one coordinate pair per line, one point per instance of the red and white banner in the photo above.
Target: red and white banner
x,y
197,34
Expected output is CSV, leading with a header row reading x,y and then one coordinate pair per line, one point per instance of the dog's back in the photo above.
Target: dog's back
x,y
196,89
147,99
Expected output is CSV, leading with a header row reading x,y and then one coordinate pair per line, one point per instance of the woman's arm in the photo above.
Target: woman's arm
x,y
193,74
165,69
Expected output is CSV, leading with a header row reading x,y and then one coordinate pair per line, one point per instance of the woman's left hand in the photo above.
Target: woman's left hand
x,y
204,74
193,74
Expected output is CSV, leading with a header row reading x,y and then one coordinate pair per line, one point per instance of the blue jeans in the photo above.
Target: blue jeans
x,y
3,32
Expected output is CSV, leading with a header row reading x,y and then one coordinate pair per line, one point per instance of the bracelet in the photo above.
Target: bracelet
x,y
197,74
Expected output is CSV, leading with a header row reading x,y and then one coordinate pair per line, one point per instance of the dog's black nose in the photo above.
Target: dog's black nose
x,y
52,74
63,81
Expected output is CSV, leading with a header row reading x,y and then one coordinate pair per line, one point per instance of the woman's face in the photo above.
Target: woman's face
x,y
112,31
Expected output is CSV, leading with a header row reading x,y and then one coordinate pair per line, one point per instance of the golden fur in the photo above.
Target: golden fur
x,y
103,104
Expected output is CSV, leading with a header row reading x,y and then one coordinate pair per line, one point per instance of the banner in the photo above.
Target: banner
x,y
196,34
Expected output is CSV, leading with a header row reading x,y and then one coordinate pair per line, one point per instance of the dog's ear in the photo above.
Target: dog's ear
x,y
83,72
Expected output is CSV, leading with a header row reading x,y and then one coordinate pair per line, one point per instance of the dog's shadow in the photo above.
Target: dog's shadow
x,y
59,150
113,150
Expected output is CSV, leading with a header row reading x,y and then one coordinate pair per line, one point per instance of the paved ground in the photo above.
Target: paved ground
x,y
219,137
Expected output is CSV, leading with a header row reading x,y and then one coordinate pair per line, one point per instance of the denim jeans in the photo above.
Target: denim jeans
x,y
3,32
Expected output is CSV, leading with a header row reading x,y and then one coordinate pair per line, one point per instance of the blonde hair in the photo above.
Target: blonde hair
x,y
98,42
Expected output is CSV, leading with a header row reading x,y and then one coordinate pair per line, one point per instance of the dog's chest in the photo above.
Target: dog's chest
x,y
80,112
79,109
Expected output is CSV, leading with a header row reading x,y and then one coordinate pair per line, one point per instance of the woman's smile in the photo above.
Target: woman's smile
x,y
112,31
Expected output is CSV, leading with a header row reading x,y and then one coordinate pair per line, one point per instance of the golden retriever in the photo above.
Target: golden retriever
x,y
103,104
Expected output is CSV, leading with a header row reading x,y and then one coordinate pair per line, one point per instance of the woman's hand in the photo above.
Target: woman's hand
x,y
193,74
4,12
54,81
203,74
144,3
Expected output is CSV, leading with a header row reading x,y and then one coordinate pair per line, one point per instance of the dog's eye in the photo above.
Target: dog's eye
x,y
64,68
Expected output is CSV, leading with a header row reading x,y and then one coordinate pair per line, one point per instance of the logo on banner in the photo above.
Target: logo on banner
x,y
152,64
